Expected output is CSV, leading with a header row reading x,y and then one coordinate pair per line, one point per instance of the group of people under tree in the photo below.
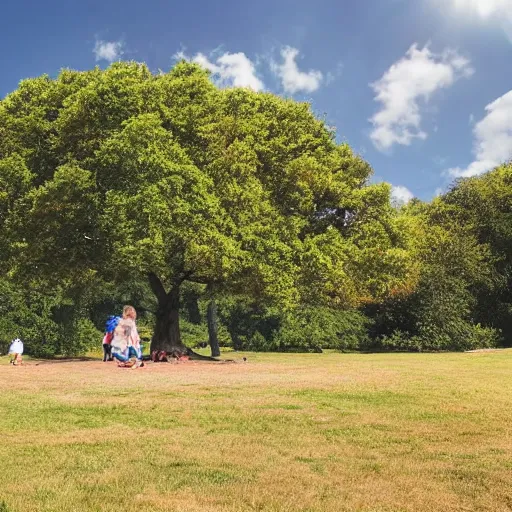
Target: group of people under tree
x,y
123,344
122,341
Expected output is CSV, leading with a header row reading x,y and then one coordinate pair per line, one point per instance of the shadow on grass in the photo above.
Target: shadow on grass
x,y
57,360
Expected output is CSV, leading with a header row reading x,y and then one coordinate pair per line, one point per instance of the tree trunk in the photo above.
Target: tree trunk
x,y
212,328
190,300
167,335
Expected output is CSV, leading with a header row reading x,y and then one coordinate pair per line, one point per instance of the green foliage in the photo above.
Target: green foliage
x,y
455,336
52,322
441,310
249,324
317,328
29,317
304,329
194,335
82,337
484,204
221,184
108,176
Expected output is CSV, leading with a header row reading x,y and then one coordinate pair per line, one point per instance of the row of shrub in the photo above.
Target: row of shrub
x,y
317,329
436,317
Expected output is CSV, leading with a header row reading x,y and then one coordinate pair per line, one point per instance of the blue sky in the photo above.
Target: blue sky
x,y
421,88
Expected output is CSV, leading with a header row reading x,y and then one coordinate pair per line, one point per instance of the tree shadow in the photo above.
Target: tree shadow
x,y
58,360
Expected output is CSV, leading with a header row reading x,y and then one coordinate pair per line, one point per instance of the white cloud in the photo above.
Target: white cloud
x,y
493,138
414,78
180,55
486,8
108,50
496,11
230,69
401,195
292,78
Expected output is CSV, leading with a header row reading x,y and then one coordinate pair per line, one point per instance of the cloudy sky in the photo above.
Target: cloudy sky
x,y
421,88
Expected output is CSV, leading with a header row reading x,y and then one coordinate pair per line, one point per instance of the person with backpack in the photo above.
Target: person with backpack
x,y
126,341
109,335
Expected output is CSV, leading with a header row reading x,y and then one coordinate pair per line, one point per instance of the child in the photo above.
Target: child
x,y
126,340
16,351
109,335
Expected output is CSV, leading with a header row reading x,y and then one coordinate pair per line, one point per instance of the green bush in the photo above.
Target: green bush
x,y
196,335
193,335
8,331
458,335
82,337
256,342
401,342
484,337
305,329
317,328
455,336
41,336
242,319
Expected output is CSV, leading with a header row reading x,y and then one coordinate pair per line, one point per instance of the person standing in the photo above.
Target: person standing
x,y
109,335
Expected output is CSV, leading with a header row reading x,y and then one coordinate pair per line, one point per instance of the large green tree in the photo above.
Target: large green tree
x,y
454,267
108,176
484,205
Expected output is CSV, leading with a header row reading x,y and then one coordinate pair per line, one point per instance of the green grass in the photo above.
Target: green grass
x,y
328,432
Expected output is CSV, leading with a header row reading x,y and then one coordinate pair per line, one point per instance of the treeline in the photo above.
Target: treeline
x,y
230,216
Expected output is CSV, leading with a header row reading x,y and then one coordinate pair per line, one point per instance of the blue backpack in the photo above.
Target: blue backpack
x,y
111,324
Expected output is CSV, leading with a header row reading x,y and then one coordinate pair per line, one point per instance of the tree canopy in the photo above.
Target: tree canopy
x,y
123,176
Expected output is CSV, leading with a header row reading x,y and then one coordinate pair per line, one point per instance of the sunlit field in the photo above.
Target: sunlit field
x,y
327,432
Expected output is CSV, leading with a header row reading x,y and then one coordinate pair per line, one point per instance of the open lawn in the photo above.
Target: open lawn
x,y
328,432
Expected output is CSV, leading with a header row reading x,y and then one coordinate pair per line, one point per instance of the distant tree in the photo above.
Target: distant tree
x,y
438,310
484,205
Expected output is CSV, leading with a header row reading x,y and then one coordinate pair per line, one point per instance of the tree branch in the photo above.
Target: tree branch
x,y
183,277
204,280
157,287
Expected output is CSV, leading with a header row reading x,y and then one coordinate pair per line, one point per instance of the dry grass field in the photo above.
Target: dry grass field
x,y
328,432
